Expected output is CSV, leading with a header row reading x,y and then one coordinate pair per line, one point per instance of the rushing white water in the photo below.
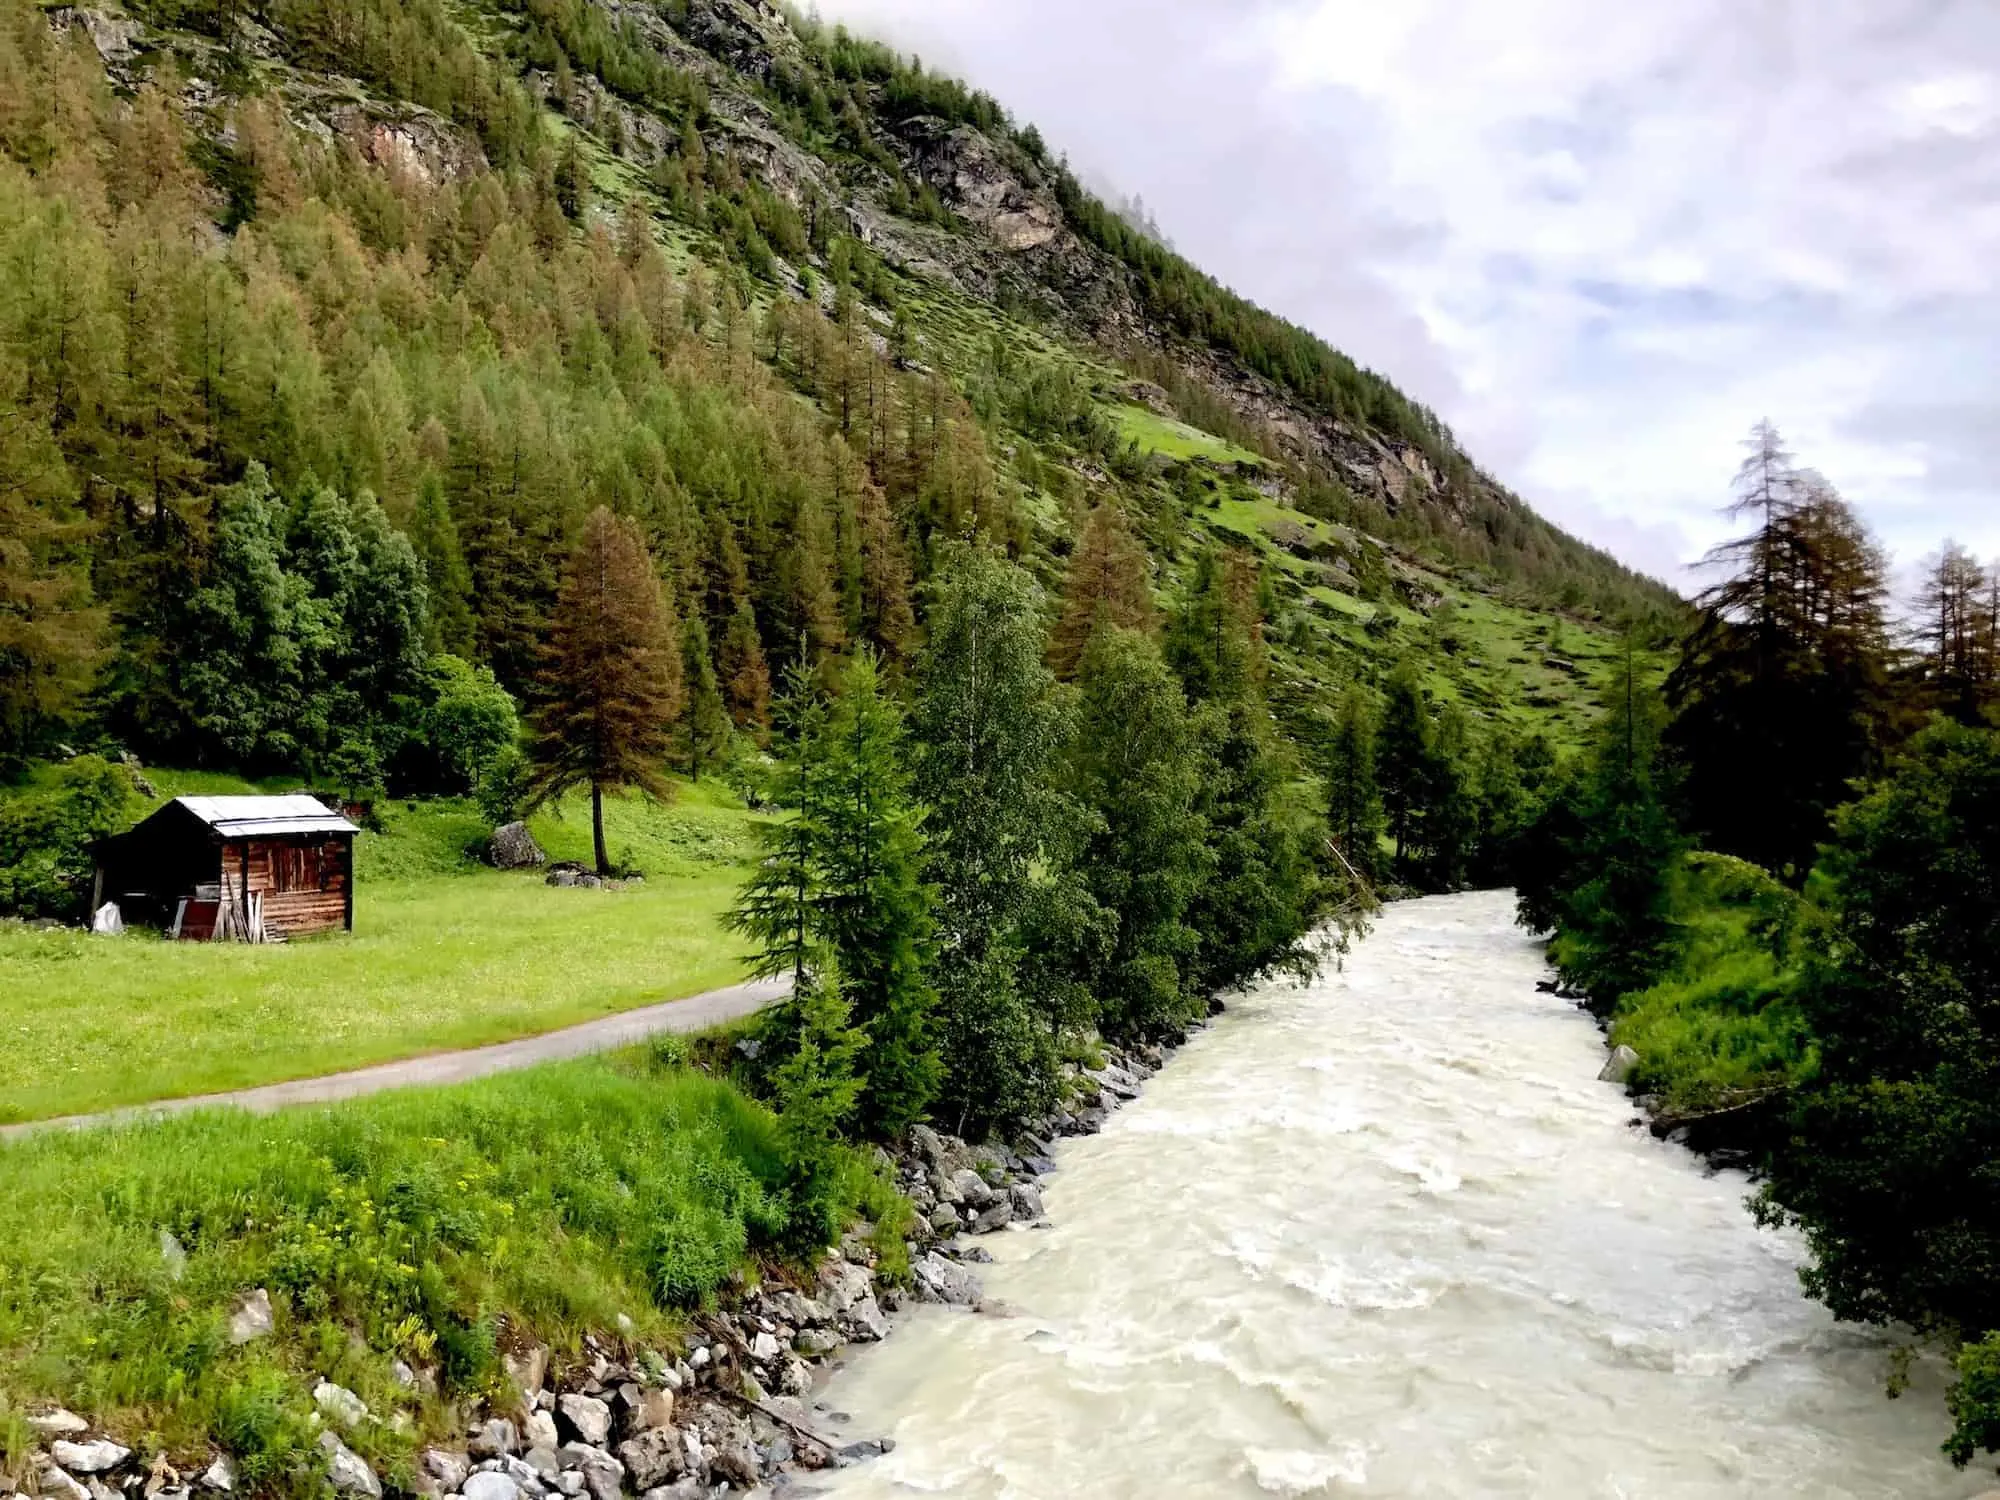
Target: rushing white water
x,y
1385,1234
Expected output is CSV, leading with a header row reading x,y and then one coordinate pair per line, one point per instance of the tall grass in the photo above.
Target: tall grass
x,y
428,1227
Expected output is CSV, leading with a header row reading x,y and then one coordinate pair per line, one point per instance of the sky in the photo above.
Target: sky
x,y
1600,240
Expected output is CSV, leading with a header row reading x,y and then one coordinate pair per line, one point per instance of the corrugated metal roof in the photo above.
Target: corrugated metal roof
x,y
260,817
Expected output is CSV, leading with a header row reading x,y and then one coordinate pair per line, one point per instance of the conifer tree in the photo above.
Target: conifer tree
x,y
816,1088
1354,799
705,725
1404,757
1106,587
613,684
746,678
1955,633
446,576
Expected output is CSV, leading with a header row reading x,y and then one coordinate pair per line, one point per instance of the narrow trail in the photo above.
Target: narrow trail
x,y
695,1013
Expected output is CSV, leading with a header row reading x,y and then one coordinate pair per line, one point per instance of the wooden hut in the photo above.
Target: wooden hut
x,y
250,868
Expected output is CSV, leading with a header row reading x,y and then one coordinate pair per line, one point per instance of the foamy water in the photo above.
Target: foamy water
x,y
1384,1234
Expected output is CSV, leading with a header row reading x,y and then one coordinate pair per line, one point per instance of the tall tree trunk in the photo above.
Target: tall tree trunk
x,y
597,827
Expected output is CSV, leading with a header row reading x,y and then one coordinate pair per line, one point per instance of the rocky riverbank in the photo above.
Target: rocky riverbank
x,y
729,1412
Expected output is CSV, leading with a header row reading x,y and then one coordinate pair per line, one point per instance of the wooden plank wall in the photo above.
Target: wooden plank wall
x,y
319,904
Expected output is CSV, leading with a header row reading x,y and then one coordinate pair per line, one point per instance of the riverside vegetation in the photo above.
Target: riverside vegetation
x,y
553,408
1775,876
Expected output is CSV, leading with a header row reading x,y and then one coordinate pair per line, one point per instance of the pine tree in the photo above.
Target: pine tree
x,y
705,725
816,1088
1955,633
1354,799
1214,640
446,576
1405,754
1137,766
746,678
1106,587
613,684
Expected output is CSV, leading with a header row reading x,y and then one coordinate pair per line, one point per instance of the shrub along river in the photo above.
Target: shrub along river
x,y
1385,1234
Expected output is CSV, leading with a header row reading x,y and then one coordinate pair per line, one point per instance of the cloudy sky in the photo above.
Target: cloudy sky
x,y
1601,240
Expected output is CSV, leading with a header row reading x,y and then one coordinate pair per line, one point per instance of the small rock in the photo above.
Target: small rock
x,y
220,1475
403,1375
349,1471
59,1486
944,1219
655,1409
58,1424
865,1322
654,1458
447,1468
545,1461
491,1487
997,1215
588,1418
1619,1066
1027,1201
252,1318
765,1348
493,1438
89,1458
680,1489
340,1405
814,1342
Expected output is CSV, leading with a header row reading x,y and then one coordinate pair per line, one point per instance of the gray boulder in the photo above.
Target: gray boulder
x,y
512,847
493,1486
58,1485
339,1405
447,1468
493,1438
538,1430
587,1417
221,1475
814,1342
945,1281
654,1458
969,1188
58,1424
1026,1199
89,1458
349,1471
1619,1066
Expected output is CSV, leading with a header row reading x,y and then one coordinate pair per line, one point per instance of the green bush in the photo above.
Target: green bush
x,y
46,831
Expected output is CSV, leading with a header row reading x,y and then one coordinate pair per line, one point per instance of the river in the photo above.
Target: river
x,y
1385,1234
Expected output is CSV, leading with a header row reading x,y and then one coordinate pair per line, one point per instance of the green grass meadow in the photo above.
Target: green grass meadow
x,y
445,954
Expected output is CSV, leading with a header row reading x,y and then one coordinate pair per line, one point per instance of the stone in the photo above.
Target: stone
x,y
814,1342
59,1486
403,1375
58,1424
339,1405
969,1188
220,1475
252,1318
538,1430
570,1484
350,1472
681,1489
512,847
491,1487
527,1367
844,1285
865,1322
587,1417
1026,1199
654,1409
89,1458
493,1438
946,1282
603,1477
996,1215
764,1348
654,1458
447,1468
944,1219
1619,1066
796,1379
545,1461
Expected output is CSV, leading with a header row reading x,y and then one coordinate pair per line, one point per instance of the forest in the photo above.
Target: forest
x,y
1775,876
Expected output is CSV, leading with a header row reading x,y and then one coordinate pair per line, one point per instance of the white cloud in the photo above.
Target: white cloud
x,y
1600,240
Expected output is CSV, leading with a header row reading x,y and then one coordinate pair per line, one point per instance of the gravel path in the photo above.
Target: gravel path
x,y
695,1013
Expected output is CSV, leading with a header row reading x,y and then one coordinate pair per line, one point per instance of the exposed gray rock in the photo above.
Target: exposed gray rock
x,y
587,1418
447,1468
544,1460
944,1219
339,1405
996,1215
814,1342
252,1318
60,1486
680,1489
59,1423
654,1458
843,1284
1027,1201
528,1367
538,1430
945,1281
764,1348
491,1486
350,1472
969,1188
512,847
865,1323
89,1458
492,1438
221,1475
1619,1066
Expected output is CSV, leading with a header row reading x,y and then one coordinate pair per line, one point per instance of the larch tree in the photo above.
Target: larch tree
x,y
1106,586
1954,631
613,684
1354,797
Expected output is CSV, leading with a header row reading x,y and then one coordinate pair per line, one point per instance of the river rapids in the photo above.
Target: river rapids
x,y
1385,1234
